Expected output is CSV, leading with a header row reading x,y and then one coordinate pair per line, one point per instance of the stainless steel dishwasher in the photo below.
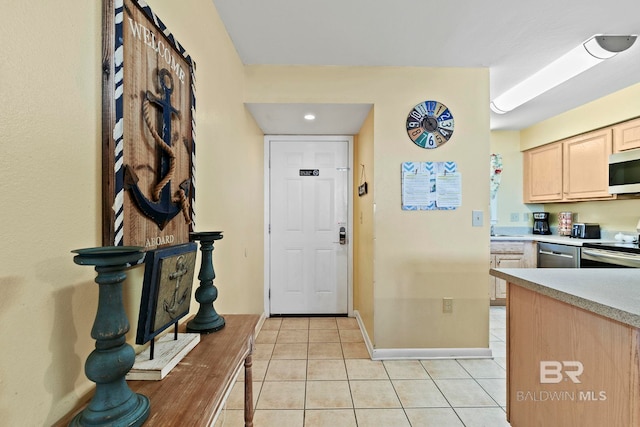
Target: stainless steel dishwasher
x,y
554,255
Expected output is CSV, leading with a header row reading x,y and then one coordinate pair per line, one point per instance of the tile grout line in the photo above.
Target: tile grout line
x,y
404,410
386,369
444,395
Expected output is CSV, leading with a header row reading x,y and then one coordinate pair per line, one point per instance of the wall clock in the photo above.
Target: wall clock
x,y
430,124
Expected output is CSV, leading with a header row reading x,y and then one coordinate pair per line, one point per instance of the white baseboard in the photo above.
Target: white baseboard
x,y
261,320
419,353
365,335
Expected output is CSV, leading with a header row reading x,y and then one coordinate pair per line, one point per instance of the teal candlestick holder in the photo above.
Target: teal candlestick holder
x,y
113,404
206,319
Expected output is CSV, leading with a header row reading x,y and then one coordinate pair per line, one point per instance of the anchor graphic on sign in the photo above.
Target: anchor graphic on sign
x,y
164,206
172,306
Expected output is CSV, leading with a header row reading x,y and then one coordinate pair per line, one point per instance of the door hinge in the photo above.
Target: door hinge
x,y
269,228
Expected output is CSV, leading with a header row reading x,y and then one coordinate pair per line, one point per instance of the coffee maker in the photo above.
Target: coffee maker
x,y
541,223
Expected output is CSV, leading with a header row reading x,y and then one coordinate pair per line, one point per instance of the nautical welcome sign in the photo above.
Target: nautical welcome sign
x,y
148,130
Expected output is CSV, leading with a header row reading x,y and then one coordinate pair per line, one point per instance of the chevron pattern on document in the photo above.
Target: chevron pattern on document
x,y
408,167
449,166
430,168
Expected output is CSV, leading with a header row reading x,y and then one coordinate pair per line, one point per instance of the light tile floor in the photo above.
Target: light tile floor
x,y
313,372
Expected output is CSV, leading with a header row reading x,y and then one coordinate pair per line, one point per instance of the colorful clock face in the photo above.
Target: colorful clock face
x,y
430,124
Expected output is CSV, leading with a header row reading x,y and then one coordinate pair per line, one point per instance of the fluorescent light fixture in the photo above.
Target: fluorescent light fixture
x,y
586,55
309,117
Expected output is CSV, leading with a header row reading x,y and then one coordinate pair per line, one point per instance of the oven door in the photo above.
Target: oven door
x,y
603,258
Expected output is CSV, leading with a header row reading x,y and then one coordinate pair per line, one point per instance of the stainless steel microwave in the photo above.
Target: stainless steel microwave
x,y
624,172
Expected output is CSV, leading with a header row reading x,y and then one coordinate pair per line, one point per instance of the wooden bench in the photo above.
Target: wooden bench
x,y
193,393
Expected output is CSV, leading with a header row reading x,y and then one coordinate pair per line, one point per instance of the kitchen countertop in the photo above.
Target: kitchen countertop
x,y
613,293
547,238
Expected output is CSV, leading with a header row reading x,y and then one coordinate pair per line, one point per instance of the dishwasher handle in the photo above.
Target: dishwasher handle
x,y
560,254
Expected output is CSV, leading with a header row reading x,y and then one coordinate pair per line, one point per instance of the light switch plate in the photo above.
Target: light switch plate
x,y
476,218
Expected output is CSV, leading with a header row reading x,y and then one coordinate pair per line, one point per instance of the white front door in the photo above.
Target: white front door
x,y
308,219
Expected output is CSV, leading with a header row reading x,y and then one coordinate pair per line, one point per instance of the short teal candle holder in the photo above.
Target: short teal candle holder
x,y
206,319
113,404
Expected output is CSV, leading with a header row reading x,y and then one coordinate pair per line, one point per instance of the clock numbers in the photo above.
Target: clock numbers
x,y
446,115
420,109
430,124
416,115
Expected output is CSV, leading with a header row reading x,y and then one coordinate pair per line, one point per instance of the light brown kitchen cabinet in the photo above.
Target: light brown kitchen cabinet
x,y
508,254
626,136
586,166
570,170
543,174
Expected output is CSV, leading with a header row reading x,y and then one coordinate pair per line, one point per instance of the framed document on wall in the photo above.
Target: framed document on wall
x,y
147,130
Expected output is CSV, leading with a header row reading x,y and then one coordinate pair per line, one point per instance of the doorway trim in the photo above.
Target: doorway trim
x,y
267,198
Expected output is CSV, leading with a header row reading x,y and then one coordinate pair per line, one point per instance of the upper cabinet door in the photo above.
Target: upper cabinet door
x,y
570,170
586,167
542,180
626,136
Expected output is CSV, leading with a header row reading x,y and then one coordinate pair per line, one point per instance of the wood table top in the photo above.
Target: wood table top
x,y
193,391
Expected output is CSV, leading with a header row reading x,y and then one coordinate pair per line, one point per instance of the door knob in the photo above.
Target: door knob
x,y
343,236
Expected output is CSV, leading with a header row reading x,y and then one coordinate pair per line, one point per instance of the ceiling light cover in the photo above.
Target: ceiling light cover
x,y
577,60
309,117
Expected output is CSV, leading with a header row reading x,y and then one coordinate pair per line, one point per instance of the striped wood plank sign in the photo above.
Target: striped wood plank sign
x,y
148,130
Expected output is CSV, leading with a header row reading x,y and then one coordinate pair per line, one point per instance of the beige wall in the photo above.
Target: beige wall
x,y
605,111
363,225
509,195
418,257
51,186
51,157
227,141
614,215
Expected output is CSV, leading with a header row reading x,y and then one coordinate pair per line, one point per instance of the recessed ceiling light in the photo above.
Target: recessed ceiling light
x,y
309,117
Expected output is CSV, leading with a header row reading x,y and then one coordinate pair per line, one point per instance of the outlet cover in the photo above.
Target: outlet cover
x,y
447,305
515,217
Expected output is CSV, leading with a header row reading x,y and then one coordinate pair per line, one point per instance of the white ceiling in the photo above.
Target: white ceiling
x,y
513,38
288,119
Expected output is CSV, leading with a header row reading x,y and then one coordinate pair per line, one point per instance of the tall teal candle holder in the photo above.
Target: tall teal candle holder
x,y
113,404
206,319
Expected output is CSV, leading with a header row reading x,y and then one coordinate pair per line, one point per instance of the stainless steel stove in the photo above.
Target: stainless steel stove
x,y
610,255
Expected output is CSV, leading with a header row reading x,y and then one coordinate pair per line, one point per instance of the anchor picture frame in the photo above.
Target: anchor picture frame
x,y
148,130
166,290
